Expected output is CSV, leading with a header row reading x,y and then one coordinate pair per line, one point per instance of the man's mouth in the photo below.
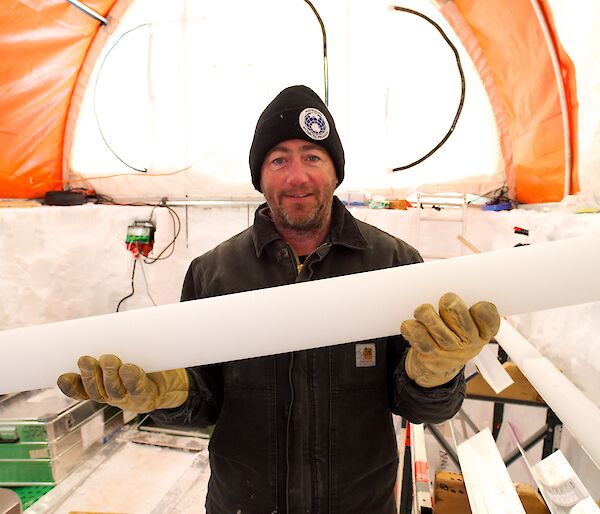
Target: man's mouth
x,y
298,195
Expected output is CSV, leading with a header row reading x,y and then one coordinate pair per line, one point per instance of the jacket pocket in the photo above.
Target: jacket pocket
x,y
364,453
242,453
359,365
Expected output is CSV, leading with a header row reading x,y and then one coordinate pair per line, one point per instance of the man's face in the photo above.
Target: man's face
x,y
298,180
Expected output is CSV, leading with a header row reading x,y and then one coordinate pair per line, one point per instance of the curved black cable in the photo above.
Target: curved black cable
x,y
144,170
325,63
176,230
462,89
132,286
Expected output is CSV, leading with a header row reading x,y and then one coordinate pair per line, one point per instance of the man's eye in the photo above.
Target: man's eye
x,y
278,161
314,158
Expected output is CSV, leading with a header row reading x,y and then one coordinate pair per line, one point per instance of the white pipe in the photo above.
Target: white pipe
x,y
577,412
304,315
214,203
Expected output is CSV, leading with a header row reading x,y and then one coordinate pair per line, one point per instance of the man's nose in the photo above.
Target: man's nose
x,y
297,172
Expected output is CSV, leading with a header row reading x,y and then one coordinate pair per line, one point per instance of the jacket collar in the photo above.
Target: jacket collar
x,y
344,228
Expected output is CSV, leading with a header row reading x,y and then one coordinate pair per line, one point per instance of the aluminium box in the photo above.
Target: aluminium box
x,y
44,435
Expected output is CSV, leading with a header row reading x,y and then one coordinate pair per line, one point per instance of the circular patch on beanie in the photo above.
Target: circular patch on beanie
x,y
314,124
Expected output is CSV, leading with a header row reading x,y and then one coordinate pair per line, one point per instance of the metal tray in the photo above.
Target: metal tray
x,y
44,435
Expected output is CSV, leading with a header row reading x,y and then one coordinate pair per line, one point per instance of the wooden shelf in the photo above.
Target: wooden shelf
x,y
450,496
521,390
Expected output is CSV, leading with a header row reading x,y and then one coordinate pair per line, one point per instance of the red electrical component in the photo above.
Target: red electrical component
x,y
140,238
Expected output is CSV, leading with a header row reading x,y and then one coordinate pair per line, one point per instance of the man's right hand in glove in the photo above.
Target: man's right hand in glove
x,y
126,386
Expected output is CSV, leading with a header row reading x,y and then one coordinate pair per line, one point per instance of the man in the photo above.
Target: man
x,y
309,431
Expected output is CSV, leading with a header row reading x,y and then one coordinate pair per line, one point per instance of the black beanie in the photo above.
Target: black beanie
x,y
295,113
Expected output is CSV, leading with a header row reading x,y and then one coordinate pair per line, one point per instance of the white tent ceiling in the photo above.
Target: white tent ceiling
x,y
167,96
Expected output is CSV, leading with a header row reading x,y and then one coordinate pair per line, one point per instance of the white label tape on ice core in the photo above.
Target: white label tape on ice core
x,y
301,316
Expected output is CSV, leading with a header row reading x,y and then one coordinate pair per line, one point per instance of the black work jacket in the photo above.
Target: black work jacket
x,y
309,431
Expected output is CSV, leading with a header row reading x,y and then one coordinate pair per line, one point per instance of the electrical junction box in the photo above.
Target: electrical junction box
x,y
140,232
140,238
44,435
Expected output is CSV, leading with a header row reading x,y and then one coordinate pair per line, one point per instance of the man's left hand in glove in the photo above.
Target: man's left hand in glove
x,y
442,343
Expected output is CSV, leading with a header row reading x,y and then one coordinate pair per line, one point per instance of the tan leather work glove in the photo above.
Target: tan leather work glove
x,y
442,344
126,386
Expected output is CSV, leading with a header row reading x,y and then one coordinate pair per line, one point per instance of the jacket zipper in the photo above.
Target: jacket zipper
x,y
287,436
296,259
296,262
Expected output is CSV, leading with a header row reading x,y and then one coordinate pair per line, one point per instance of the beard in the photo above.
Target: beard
x,y
302,220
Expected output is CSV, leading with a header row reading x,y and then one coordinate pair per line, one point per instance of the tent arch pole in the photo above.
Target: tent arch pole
x,y
89,11
113,18
561,93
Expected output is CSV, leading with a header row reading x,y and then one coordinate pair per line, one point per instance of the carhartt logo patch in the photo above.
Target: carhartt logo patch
x,y
365,355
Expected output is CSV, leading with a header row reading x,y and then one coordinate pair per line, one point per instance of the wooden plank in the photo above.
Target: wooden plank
x,y
19,203
521,389
450,495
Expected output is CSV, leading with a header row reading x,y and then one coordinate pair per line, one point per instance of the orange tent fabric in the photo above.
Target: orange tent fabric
x,y
507,45
44,44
